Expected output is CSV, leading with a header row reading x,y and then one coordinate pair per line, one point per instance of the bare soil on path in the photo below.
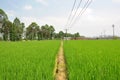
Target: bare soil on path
x,y
60,68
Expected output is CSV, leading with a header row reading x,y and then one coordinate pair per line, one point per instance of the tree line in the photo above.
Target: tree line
x,y
17,31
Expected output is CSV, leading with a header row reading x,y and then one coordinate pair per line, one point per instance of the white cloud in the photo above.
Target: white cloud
x,y
43,2
116,0
79,11
57,22
10,13
91,23
94,22
28,20
28,7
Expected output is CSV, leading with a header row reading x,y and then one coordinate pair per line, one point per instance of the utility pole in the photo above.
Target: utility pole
x,y
104,34
101,35
66,33
113,30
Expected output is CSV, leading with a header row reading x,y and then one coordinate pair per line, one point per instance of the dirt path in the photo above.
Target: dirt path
x,y
60,71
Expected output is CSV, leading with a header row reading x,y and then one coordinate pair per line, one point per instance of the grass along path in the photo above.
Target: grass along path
x,y
60,71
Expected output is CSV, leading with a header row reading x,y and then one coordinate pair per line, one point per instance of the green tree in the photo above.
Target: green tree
x,y
16,30
22,30
6,27
4,15
76,35
45,31
3,20
32,31
39,34
51,31
61,34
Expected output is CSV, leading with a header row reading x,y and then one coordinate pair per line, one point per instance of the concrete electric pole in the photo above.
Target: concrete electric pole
x,y
113,30
66,33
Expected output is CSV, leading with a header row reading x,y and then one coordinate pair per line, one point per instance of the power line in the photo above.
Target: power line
x,y
75,16
71,12
70,17
75,12
81,12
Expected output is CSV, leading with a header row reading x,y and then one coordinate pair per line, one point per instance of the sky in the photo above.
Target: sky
x,y
97,20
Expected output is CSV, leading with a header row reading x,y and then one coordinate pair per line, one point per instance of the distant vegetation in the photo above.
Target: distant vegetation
x,y
17,31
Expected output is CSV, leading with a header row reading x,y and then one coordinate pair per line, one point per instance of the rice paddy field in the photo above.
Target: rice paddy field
x,y
28,60
85,59
93,59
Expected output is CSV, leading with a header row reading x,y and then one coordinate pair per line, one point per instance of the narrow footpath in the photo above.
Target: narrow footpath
x,y
60,70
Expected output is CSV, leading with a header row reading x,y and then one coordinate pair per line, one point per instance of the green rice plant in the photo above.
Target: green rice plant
x,y
28,60
93,59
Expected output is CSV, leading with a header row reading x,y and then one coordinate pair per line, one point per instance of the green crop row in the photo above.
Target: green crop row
x,y
93,60
29,60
